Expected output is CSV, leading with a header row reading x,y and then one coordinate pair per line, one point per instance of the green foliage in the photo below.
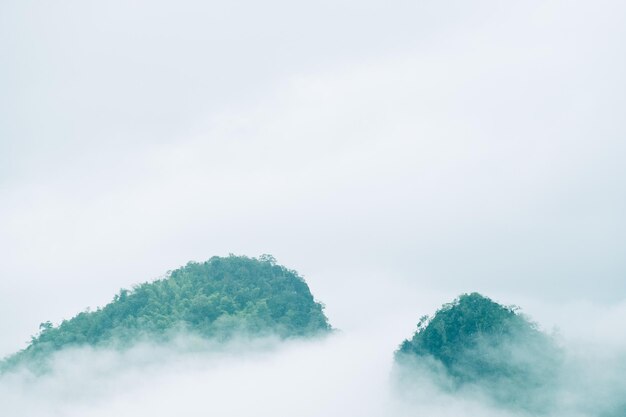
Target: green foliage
x,y
482,342
463,324
215,299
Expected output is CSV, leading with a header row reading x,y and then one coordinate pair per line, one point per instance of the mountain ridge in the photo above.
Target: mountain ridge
x,y
216,299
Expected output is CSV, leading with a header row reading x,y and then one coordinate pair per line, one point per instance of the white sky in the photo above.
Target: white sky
x,y
395,153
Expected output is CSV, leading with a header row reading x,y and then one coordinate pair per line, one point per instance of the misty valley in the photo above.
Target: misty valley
x,y
238,323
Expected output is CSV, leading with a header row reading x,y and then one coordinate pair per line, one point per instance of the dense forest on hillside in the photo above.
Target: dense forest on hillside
x,y
478,341
215,299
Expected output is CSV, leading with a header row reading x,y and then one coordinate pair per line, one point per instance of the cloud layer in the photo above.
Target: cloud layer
x,y
395,154
345,373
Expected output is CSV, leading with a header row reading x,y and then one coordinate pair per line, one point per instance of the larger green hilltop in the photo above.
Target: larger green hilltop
x,y
216,299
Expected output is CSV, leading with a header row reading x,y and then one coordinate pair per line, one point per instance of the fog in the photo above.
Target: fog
x,y
346,373
396,154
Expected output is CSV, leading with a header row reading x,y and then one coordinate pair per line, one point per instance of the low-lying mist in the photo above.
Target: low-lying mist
x,y
344,373
571,381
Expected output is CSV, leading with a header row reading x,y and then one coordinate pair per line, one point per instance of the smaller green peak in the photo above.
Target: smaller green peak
x,y
477,340
460,324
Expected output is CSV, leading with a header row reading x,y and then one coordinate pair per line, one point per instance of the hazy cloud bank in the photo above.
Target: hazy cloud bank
x,y
347,373
404,151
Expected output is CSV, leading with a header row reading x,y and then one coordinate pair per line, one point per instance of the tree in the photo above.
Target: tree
x,y
216,298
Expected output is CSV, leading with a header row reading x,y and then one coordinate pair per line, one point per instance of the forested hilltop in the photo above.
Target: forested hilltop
x,y
215,299
475,341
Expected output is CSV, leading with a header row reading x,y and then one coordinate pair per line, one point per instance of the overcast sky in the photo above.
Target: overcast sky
x,y
394,153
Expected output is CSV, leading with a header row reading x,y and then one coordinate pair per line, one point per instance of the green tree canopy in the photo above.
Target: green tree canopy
x,y
479,341
215,299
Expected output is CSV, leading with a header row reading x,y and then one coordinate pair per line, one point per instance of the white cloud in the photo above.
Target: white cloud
x,y
396,155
